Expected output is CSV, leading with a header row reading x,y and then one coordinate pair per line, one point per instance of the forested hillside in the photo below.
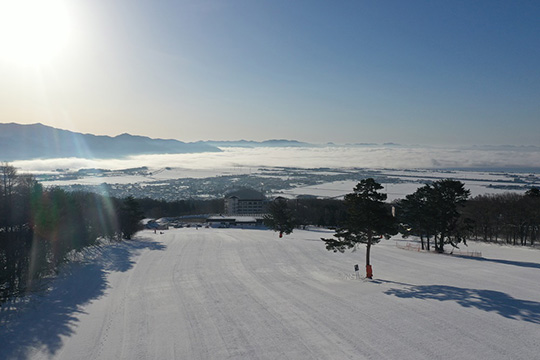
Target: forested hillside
x,y
40,227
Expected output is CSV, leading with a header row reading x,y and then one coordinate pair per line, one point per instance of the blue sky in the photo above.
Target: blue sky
x,y
413,72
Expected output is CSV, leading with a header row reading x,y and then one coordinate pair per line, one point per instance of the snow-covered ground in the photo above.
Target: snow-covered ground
x,y
247,294
394,191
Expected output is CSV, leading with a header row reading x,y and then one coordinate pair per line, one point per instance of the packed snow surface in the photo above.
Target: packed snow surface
x,y
247,294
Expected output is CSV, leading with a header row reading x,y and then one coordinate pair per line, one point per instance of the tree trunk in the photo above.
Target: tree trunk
x,y
436,243
441,243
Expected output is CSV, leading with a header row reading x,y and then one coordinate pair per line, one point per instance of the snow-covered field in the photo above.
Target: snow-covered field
x,y
246,294
394,191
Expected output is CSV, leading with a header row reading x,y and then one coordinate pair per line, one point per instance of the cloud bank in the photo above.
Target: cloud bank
x,y
332,157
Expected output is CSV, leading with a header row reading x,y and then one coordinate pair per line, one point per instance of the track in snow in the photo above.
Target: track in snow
x,y
246,294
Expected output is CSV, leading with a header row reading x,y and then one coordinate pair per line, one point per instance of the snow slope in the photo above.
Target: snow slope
x,y
246,294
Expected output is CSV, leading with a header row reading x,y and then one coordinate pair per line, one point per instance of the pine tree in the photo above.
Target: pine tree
x,y
415,215
280,217
130,217
433,211
447,197
369,219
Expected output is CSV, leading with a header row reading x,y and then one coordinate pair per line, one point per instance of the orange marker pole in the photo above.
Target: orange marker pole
x,y
369,272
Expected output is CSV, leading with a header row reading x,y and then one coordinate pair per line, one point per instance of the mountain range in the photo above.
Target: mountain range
x,y
38,141
252,144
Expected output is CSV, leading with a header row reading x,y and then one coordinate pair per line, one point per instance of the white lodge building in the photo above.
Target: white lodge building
x,y
245,202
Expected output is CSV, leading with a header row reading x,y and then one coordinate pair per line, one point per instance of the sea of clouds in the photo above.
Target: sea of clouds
x,y
378,157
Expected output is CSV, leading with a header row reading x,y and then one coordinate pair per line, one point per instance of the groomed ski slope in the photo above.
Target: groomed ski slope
x,y
247,294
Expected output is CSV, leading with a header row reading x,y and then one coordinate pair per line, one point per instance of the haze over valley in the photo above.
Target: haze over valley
x,y
175,170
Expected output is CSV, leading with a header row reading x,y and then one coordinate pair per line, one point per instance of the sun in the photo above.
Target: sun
x,y
33,32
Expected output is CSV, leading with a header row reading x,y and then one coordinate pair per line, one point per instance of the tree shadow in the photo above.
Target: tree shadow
x,y
506,262
487,300
47,318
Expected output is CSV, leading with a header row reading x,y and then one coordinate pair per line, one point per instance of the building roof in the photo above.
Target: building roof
x,y
221,218
235,218
246,194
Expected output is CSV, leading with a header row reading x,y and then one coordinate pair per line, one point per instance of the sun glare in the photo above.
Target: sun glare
x,y
33,32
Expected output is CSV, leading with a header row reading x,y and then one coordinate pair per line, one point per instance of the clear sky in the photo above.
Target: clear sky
x,y
413,72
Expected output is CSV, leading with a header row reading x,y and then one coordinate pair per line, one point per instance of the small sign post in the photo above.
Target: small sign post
x,y
357,269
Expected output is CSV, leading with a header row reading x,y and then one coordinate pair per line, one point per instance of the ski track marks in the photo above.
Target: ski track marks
x,y
247,294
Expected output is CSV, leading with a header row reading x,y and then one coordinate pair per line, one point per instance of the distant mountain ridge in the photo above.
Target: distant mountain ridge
x,y
38,141
251,143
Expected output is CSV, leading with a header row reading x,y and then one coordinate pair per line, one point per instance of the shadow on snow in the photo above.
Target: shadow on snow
x,y
487,300
49,317
505,262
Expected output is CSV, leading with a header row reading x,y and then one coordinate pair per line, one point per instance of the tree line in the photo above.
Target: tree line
x,y
438,213
156,209
508,218
39,227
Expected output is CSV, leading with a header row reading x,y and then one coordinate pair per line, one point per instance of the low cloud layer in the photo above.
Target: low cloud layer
x,y
332,157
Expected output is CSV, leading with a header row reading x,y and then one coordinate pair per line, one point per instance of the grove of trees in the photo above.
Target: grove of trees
x,y
160,208
439,213
40,227
508,218
433,212
443,212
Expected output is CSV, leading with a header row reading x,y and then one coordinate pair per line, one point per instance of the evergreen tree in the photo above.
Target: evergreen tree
x,y
446,198
130,217
533,192
415,214
280,217
369,219
433,210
